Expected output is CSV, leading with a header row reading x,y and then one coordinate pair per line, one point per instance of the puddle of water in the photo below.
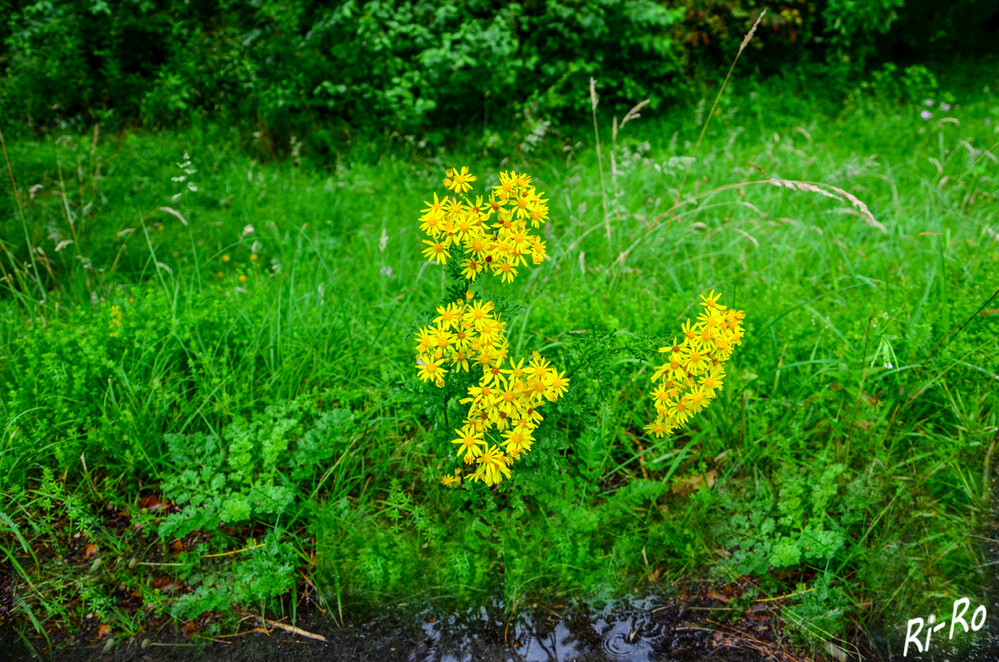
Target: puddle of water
x,y
646,631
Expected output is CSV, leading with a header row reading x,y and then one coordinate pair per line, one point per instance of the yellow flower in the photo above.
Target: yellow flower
x,y
449,315
660,395
506,185
459,181
679,412
436,208
658,428
482,393
462,336
673,349
557,385
711,300
432,225
707,335
712,317
688,329
697,399
538,366
533,416
486,357
468,443
437,251
517,441
538,249
462,226
536,387
423,340
470,269
508,398
695,358
460,361
523,203
505,270
713,379
478,313
429,369
492,376
475,242
493,465
441,339
515,371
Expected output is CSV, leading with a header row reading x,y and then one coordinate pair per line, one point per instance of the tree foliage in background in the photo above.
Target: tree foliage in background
x,y
301,67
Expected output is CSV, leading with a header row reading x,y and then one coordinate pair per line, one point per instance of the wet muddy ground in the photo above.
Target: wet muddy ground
x,y
649,629
698,627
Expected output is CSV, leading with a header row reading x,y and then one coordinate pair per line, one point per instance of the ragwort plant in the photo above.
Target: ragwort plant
x,y
485,237
695,368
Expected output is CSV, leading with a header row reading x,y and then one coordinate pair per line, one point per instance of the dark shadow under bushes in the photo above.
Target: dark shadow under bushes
x,y
289,72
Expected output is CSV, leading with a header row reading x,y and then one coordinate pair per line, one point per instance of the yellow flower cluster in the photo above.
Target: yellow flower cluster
x,y
464,334
115,323
467,335
492,234
695,368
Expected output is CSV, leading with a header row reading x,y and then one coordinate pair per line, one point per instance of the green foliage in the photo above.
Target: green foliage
x,y
712,31
835,41
793,523
260,472
891,88
107,52
817,613
852,25
302,72
260,575
287,68
55,500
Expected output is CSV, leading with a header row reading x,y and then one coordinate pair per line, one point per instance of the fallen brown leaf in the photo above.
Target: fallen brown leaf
x,y
685,486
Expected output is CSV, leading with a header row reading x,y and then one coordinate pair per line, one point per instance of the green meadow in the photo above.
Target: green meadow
x,y
209,403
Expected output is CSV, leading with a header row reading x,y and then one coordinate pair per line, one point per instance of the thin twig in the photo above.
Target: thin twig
x,y
295,630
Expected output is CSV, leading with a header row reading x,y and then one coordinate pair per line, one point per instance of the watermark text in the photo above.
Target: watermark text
x,y
914,628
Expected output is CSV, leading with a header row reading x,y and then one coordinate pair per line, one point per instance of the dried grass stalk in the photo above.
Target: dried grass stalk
x,y
833,192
